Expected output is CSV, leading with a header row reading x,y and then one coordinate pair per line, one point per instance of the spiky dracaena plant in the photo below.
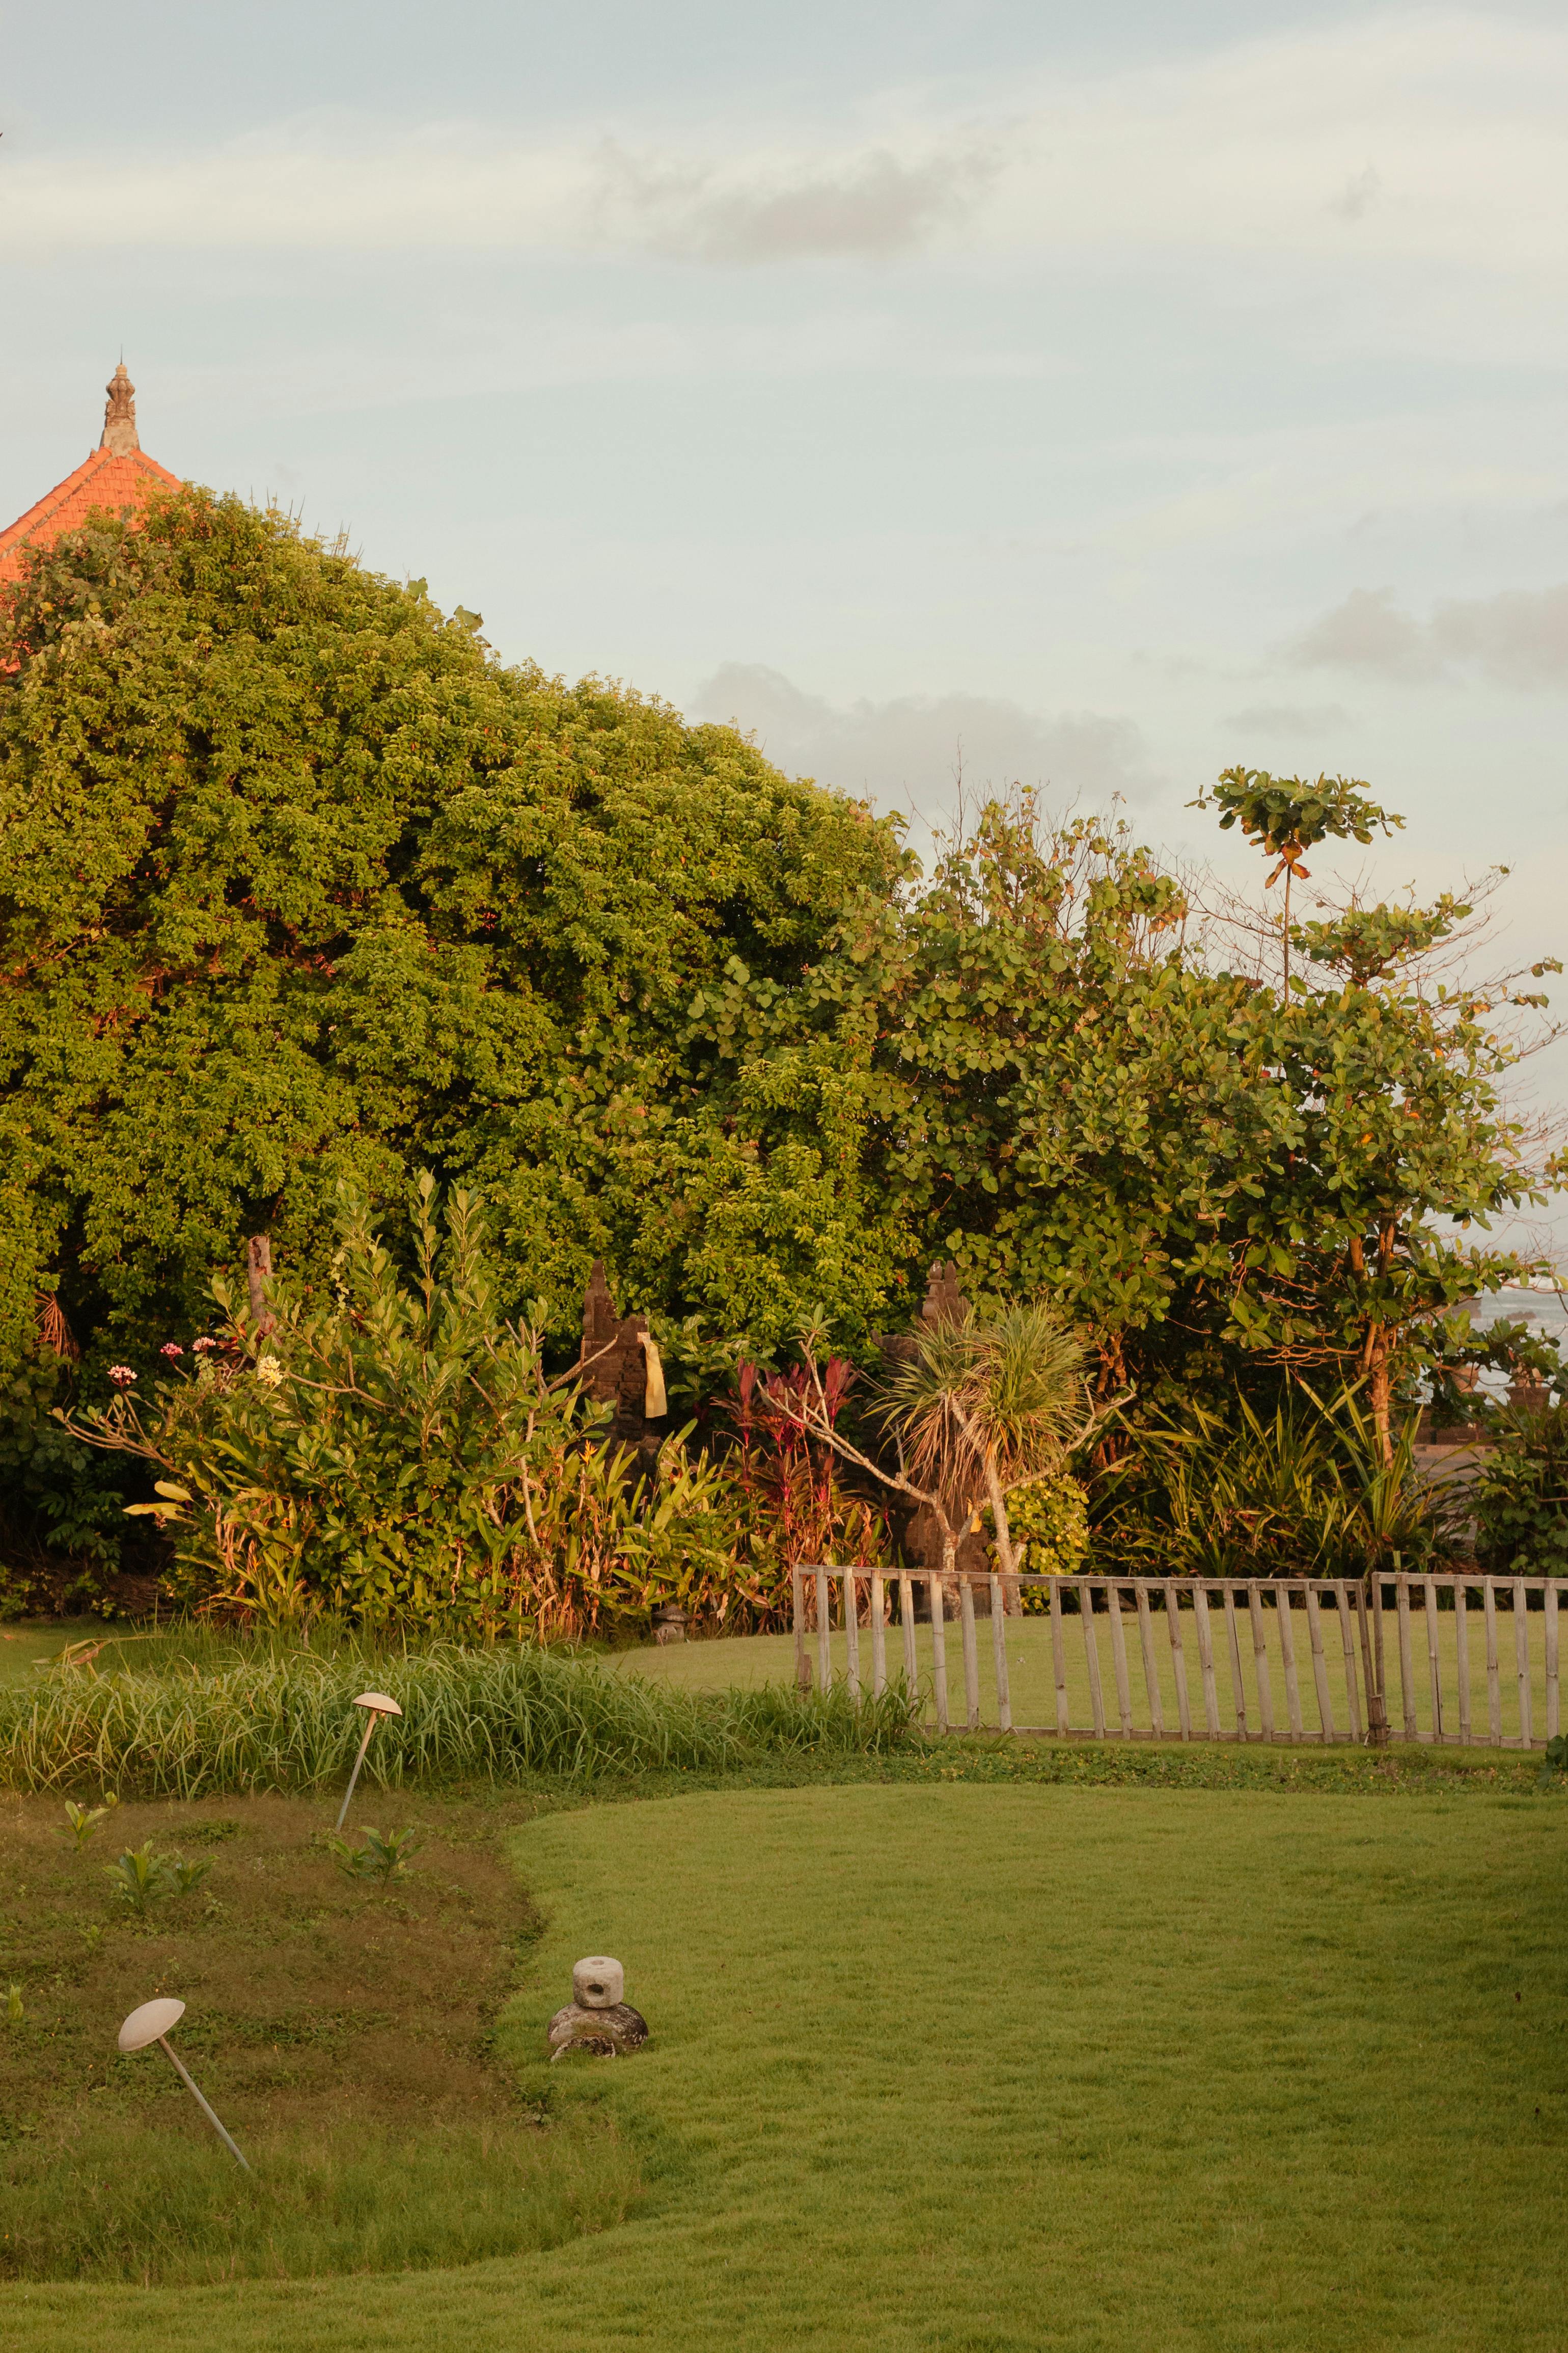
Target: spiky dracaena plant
x,y
990,1403
995,1402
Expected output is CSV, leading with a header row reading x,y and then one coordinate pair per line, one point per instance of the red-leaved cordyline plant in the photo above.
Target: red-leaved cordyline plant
x,y
794,1506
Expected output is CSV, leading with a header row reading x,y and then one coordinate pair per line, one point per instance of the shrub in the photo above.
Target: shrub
x,y
396,1455
1519,1496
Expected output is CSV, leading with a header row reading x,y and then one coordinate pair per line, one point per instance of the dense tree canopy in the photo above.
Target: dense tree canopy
x,y
297,882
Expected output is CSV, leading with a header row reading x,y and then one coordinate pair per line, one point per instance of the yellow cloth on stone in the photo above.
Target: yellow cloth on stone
x,y
654,1400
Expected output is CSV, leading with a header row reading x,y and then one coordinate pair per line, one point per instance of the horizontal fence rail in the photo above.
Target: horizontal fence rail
x,y
1296,1660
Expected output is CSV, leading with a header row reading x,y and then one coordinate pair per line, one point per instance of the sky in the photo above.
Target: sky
x,y
1003,389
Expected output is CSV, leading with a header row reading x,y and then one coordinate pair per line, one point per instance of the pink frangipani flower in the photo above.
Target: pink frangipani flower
x,y
121,1375
171,1349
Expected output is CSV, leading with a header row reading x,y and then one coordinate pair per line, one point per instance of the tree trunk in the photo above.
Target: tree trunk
x,y
1379,1384
1007,1559
258,1272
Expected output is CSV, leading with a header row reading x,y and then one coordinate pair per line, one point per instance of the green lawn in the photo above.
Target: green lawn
x,y
1009,2067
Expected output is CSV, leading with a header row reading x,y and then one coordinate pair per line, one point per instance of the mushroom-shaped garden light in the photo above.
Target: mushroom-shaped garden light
x,y
375,1705
153,2022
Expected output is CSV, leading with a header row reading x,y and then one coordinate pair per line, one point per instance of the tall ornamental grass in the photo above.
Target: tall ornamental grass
x,y
288,1721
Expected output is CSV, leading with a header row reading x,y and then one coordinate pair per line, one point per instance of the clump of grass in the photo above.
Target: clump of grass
x,y
157,2208
287,1721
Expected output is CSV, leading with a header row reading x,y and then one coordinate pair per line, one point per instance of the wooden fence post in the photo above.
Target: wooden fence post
x,y
1178,1661
879,1636
852,1635
1119,1658
1059,1656
1260,1661
971,1654
1151,1667
906,1627
824,1630
802,1662
938,1649
999,1647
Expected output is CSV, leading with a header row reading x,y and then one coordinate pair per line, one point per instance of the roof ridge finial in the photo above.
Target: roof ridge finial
x,y
119,434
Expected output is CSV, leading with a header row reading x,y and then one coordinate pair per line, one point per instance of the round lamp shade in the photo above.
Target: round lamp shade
x,y
146,2024
379,1701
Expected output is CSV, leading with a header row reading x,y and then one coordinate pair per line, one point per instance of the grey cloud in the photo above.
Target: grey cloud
x,y
1358,195
1287,719
873,206
915,747
1519,637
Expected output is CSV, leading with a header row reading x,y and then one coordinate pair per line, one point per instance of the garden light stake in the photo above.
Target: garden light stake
x,y
375,1705
153,2023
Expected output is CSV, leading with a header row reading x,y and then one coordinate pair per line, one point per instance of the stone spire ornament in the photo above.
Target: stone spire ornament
x,y
119,434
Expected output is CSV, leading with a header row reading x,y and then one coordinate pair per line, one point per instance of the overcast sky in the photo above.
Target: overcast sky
x,y
1091,395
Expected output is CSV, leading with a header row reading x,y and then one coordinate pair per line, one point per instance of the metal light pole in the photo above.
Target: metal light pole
x,y
376,1704
153,2023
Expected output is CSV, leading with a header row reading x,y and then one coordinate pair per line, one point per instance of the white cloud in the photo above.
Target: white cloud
x,y
1421,134
913,751
1517,638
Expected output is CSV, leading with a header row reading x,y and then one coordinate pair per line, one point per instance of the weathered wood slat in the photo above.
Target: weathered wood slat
x,y
1434,1661
1119,1659
1549,1619
1494,1694
971,1655
1288,1660
823,1633
1059,1654
1178,1657
1521,1661
1260,1661
878,1633
1150,1671
1347,1638
802,1657
1091,1654
999,1653
1205,1658
851,1585
938,1649
1238,1688
1462,1659
907,1628
1319,1665
1407,1667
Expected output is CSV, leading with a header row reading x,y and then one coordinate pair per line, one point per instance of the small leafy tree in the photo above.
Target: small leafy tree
x,y
1286,816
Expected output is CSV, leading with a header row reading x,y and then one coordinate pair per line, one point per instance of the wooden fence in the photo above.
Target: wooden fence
x,y
1461,1661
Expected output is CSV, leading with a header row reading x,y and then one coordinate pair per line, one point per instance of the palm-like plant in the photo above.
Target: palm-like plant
x,y
990,1404
973,1404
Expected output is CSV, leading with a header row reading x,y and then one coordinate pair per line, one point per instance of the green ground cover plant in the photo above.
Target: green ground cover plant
x,y
343,2029
1012,2068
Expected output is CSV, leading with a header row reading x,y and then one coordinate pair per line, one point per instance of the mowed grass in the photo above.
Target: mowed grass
x,y
997,2068
748,1661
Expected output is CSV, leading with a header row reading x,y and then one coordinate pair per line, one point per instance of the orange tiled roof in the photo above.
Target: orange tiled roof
x,y
118,475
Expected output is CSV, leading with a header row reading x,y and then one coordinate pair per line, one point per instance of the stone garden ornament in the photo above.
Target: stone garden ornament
x,y
376,1704
153,2022
597,2019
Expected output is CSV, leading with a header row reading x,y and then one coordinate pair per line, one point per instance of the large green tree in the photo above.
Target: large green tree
x,y
1074,1091
297,882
